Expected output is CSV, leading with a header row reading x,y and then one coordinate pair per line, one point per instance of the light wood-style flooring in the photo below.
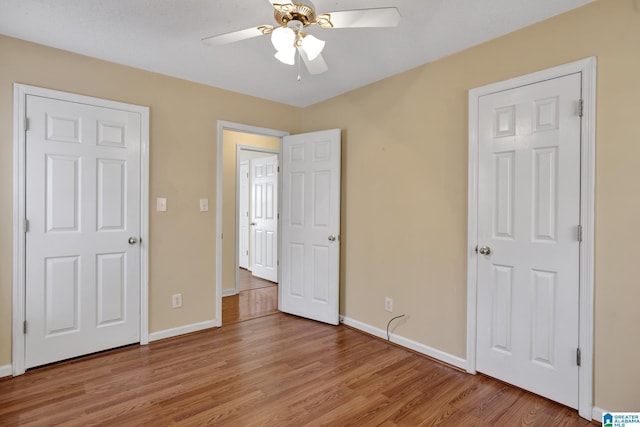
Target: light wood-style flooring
x,y
248,282
255,298
276,370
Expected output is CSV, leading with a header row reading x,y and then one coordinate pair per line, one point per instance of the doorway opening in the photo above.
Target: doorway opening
x,y
308,271
255,290
241,294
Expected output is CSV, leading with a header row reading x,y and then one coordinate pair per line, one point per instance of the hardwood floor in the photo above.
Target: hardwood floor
x,y
249,305
247,281
276,370
256,298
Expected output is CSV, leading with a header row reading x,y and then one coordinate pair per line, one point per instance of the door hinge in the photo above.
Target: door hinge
x,y
579,233
221,236
26,225
580,107
278,168
26,124
578,357
24,327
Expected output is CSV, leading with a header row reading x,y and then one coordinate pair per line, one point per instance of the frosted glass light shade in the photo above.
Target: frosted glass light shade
x,y
287,56
312,46
283,38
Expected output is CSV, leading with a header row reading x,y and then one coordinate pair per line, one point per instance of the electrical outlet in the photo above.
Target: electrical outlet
x,y
388,304
176,300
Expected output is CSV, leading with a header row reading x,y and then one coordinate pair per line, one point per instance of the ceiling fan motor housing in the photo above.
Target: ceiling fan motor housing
x,y
295,12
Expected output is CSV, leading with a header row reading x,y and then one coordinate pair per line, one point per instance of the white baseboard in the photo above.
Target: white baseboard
x,y
405,342
596,414
174,332
229,292
6,371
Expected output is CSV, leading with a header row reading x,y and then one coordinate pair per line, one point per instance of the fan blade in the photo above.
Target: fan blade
x,y
381,17
317,66
284,6
236,36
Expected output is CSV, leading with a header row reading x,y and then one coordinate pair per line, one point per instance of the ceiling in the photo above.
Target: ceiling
x,y
164,36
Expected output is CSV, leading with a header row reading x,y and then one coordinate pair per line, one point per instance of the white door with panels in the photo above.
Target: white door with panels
x,y
243,214
264,217
529,237
82,245
311,225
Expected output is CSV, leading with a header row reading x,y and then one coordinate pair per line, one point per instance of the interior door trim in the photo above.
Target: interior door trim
x,y
20,93
237,127
587,68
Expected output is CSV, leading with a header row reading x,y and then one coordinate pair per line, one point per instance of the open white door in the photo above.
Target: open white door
x,y
264,217
311,225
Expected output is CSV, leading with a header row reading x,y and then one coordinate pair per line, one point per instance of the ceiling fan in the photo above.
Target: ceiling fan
x,y
288,37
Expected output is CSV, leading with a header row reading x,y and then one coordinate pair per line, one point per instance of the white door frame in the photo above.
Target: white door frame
x,y
258,150
587,67
20,93
237,127
239,201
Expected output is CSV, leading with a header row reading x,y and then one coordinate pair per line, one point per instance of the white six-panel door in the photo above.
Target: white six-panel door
x,y
528,218
264,217
243,215
311,225
83,206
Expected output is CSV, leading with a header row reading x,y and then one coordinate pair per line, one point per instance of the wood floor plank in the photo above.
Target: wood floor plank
x,y
247,281
277,370
256,297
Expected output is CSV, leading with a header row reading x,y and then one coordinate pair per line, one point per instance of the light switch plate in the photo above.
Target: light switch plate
x,y
204,205
161,204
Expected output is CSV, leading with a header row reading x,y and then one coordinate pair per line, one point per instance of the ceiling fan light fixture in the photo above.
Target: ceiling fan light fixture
x,y
287,56
312,46
283,38
292,17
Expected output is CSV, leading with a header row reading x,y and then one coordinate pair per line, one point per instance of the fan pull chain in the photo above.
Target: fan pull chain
x,y
299,78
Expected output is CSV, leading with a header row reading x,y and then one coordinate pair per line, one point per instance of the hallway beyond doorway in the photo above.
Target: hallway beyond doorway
x,y
255,298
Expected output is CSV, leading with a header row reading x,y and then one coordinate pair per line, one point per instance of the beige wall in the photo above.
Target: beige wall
x,y
405,186
231,140
404,180
183,163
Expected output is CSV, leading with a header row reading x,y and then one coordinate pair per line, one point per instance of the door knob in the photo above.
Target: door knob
x,y
485,250
332,238
133,240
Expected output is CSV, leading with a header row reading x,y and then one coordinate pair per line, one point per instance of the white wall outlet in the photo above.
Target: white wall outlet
x,y
388,304
204,205
176,300
161,204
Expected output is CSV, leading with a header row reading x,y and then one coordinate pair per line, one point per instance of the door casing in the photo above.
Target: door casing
x,y
20,92
242,197
587,68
